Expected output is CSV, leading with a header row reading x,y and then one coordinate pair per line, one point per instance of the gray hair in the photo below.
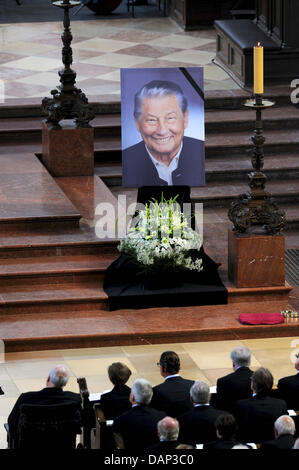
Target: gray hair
x,y
159,88
168,429
241,356
284,425
142,391
59,376
200,392
262,381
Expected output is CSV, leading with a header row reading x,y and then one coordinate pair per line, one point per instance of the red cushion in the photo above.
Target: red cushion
x,y
261,318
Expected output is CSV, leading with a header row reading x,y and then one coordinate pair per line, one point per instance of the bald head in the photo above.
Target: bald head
x,y
168,429
58,376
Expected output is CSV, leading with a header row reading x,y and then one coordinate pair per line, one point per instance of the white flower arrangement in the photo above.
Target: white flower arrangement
x,y
162,239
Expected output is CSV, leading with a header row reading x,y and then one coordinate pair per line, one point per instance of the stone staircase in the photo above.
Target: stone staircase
x,y
52,264
48,261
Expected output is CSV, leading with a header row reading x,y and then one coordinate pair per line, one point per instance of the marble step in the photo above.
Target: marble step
x,y
221,195
97,327
30,243
217,144
279,141
30,195
56,236
43,298
14,148
110,124
243,119
53,269
30,129
214,99
219,168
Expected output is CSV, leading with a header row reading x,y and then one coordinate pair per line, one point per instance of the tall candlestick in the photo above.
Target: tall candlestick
x,y
258,68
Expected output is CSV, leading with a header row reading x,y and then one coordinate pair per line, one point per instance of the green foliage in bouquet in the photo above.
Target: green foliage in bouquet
x,y
162,239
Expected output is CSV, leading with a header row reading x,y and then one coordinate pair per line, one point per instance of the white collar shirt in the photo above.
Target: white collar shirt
x,y
170,376
164,171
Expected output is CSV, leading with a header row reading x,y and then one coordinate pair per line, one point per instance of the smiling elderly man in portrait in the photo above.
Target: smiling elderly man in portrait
x,y
165,156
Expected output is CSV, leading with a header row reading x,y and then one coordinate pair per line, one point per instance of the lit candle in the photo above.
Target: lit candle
x,y
258,69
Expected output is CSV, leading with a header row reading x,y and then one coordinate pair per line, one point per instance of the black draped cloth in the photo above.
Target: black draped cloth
x,y
128,287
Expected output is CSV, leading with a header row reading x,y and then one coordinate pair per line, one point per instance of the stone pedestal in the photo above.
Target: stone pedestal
x,y
68,151
256,260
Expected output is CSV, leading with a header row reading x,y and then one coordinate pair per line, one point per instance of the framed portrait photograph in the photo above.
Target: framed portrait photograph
x,y
162,121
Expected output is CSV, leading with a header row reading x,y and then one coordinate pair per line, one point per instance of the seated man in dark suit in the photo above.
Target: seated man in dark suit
x,y
117,401
284,430
256,415
53,394
235,386
164,156
173,395
226,430
136,429
288,388
198,425
168,432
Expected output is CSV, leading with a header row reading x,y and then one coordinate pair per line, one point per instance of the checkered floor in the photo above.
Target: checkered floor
x,y
30,54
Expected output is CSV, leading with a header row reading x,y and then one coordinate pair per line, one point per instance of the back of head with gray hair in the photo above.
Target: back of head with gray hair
x,y
241,356
142,391
159,88
59,376
262,381
200,392
284,425
168,429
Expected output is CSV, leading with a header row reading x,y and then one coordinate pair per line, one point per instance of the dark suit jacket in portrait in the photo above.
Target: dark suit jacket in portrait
x,y
198,425
285,441
233,387
138,427
46,396
173,396
139,170
288,388
116,402
256,416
